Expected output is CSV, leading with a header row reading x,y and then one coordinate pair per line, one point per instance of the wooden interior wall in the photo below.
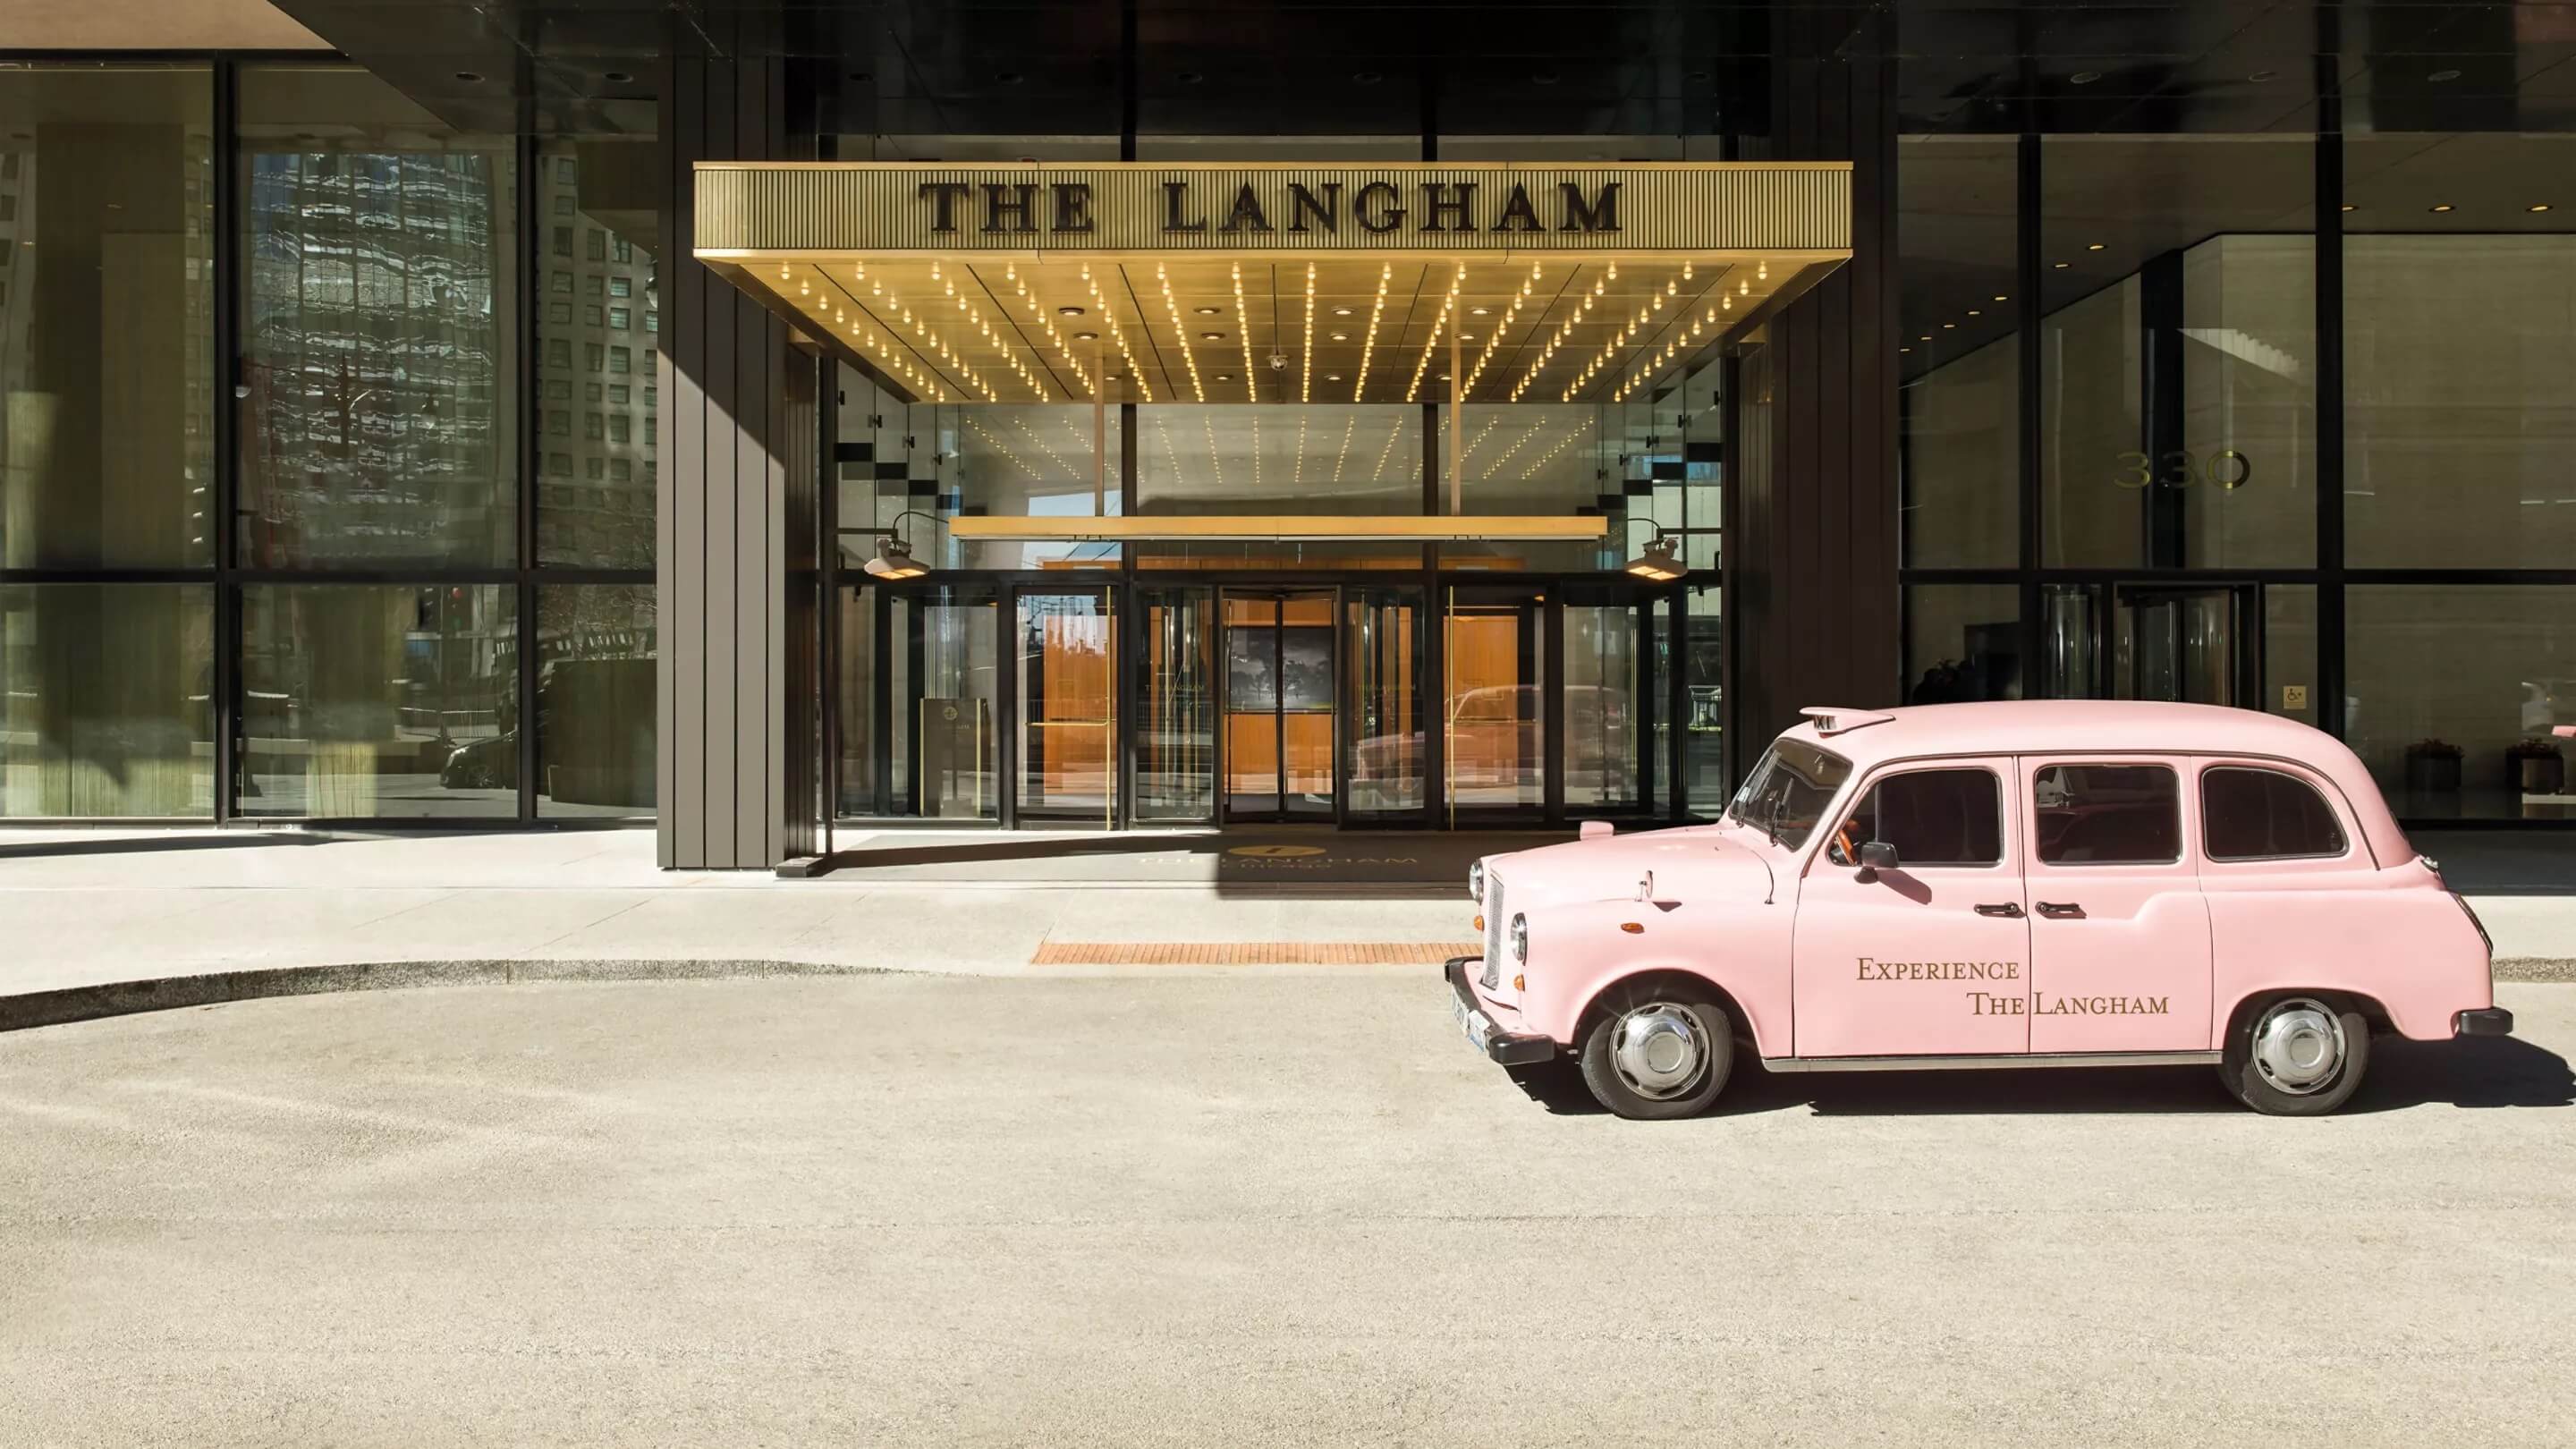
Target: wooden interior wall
x,y
1074,707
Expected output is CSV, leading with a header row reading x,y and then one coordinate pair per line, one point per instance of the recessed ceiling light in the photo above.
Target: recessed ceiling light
x,y
2537,206
1332,377
1211,337
2262,75
2000,297
469,77
1926,337
1341,311
618,78
2093,246
1225,377
1946,326
1068,311
2348,206
2084,77
1086,337
1207,311
2440,76
1465,337
2062,266
1341,337
1479,311
2440,206
1905,349
1973,312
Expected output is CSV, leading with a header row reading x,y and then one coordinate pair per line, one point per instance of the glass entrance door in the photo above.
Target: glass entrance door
x,y
1612,740
1065,714
1279,714
1174,719
1381,650
1494,702
2193,644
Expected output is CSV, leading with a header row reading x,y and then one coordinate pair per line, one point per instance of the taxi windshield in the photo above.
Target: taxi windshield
x,y
1788,791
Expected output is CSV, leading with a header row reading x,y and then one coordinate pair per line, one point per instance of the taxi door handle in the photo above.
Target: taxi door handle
x,y
2059,911
2007,909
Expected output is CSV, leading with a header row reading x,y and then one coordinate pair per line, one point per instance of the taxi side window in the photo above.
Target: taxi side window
x,y
2107,815
1932,817
2250,814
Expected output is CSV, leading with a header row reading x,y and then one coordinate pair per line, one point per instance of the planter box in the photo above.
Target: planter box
x,y
2432,774
2536,774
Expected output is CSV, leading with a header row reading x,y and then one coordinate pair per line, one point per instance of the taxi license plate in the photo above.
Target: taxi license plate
x,y
1474,1025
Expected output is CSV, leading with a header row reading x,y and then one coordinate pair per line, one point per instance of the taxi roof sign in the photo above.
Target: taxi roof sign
x,y
1834,720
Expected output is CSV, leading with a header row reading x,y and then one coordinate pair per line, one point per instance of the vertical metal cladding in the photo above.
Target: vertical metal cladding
x,y
1108,210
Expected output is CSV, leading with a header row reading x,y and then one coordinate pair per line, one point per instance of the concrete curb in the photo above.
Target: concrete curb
x,y
171,993
67,1004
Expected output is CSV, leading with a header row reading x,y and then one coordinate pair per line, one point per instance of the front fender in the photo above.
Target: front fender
x,y
1578,951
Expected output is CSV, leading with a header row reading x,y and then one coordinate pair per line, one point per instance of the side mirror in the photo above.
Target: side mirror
x,y
1875,856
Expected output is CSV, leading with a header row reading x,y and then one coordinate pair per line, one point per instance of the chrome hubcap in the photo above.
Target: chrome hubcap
x,y
1660,1050
2299,1046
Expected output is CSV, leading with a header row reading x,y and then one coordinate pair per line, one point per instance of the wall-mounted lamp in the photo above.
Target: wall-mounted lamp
x,y
894,558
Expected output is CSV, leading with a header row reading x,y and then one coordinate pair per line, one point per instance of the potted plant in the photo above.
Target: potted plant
x,y
2535,767
2432,766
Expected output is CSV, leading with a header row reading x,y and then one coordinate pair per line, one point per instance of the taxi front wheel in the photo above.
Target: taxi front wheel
x,y
1658,1052
2296,1055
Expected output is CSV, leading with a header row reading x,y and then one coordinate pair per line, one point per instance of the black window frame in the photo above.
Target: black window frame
x,y
2182,848
2334,817
1869,787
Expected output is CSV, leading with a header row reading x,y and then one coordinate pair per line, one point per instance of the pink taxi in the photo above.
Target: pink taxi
x,y
2042,883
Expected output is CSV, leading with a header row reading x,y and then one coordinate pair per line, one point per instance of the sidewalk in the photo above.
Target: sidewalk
x,y
127,920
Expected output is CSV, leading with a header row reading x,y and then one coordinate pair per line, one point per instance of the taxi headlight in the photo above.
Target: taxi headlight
x,y
1520,938
1476,882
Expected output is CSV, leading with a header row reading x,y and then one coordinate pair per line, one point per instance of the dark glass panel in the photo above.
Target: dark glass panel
x,y
106,700
596,657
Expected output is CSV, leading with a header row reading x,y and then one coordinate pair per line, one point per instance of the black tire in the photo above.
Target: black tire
x,y
1704,1022
2252,1082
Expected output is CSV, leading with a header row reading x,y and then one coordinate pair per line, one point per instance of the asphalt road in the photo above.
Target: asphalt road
x,y
1231,1210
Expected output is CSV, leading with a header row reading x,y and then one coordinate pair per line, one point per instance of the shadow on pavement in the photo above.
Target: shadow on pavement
x,y
2469,1072
142,844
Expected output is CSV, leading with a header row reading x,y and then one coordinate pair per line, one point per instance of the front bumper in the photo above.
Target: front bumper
x,y
2486,1021
1511,1049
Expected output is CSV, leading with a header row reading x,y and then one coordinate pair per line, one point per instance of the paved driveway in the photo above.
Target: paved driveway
x,y
1212,1209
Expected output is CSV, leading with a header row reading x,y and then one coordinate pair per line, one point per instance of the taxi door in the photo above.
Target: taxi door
x,y
2119,929
1928,957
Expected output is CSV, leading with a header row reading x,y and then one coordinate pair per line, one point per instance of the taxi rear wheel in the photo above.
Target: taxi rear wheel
x,y
1658,1052
2296,1055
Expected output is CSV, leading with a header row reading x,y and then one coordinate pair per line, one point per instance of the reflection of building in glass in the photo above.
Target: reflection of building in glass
x,y
598,418
375,324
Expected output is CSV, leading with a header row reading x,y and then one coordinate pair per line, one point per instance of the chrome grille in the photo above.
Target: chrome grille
x,y
1493,976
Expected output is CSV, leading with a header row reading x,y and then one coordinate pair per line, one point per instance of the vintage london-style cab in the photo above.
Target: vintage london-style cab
x,y
2042,883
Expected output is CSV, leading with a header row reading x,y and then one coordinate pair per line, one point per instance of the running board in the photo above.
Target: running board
x,y
1973,1063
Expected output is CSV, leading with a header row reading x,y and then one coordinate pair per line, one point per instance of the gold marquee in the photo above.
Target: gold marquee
x,y
1152,282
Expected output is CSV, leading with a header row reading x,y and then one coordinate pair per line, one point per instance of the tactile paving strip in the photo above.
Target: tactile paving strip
x,y
1248,953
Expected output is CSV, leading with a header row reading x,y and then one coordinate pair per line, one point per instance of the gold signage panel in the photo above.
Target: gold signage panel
x,y
754,211
1276,528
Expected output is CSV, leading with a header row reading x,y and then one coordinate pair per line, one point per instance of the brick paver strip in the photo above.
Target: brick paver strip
x,y
1248,953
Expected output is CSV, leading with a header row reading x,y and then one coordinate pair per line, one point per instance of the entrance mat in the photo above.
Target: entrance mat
x,y
1249,953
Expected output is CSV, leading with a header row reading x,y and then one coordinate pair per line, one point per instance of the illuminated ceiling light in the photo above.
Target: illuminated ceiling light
x,y
2000,297
2093,246
1946,326
1479,311
2084,77
1068,311
1306,373
1211,337
1973,312
894,560
2440,206
1655,561
2062,266
1341,311
1341,337
2537,206
1207,311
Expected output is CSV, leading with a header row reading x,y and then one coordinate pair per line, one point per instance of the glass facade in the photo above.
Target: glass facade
x,y
330,446
277,385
